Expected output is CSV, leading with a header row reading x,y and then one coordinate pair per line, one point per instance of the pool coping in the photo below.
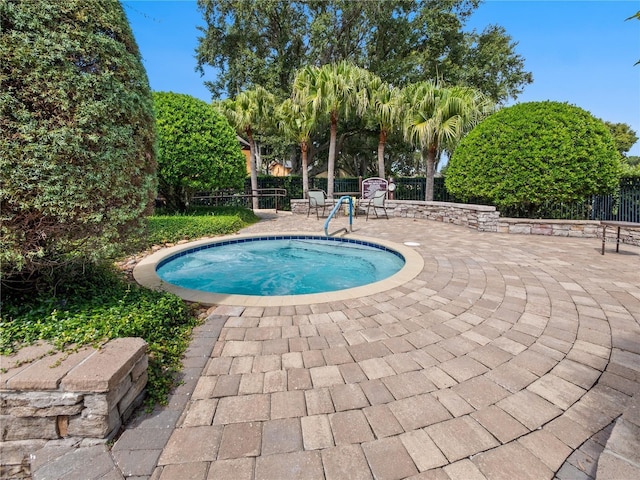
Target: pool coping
x,y
145,274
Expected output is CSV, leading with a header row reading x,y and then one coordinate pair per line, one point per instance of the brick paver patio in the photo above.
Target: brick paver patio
x,y
501,358
507,357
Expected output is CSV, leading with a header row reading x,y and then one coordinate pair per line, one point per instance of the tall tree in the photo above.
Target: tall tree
x,y
264,42
257,42
437,117
297,120
624,136
488,64
77,134
384,109
334,89
248,112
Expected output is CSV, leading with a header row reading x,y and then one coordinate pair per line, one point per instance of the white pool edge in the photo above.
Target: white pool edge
x,y
145,274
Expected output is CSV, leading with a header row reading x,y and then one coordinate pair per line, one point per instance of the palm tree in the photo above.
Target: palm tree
x,y
333,89
248,111
437,117
296,120
385,108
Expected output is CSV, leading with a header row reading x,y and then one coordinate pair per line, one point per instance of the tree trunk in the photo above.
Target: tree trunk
x,y
305,171
256,150
254,171
431,167
381,144
332,154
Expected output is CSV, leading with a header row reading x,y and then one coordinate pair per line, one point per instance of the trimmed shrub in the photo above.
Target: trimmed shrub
x,y
531,153
76,135
197,150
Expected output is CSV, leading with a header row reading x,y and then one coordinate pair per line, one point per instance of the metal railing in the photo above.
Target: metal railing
x,y
267,198
335,210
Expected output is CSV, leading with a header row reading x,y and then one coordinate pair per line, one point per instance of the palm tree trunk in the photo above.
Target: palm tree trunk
x,y
305,173
431,167
381,143
254,171
332,154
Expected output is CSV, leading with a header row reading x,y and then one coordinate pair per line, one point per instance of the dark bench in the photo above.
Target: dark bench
x,y
618,225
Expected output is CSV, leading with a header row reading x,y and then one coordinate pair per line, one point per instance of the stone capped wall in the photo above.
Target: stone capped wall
x,y
559,228
86,394
486,218
480,217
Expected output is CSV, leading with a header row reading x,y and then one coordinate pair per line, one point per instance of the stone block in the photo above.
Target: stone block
x,y
350,427
240,440
194,444
140,368
135,390
294,465
17,452
346,462
461,437
379,452
97,404
38,399
105,368
46,373
53,411
28,428
281,436
96,426
16,363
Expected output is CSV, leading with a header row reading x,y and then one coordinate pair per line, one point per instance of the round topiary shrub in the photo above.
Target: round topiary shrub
x,y
77,134
531,153
197,149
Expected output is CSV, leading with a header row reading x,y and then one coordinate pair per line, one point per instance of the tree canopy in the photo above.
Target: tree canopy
x,y
437,117
77,134
624,136
535,152
264,42
197,149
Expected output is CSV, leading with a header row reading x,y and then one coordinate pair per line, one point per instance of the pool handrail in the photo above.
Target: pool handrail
x,y
335,209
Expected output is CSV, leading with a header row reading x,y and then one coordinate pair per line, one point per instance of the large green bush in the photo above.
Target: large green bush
x,y
76,134
535,152
197,149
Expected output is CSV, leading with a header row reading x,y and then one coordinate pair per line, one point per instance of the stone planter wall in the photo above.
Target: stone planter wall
x,y
559,228
85,395
487,219
480,217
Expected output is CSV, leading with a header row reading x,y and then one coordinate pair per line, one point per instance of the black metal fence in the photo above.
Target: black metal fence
x,y
624,205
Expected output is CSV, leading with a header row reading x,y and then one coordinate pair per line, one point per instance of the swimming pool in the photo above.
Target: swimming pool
x,y
152,270
270,265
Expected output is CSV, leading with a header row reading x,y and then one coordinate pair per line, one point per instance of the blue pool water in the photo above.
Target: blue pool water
x,y
283,266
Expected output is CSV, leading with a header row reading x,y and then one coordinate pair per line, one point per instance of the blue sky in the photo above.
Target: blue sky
x,y
579,51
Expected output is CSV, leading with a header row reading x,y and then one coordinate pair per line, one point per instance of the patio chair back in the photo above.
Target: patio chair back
x,y
379,197
317,198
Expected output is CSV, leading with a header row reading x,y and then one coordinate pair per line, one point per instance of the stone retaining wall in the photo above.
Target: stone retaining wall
x,y
560,228
85,395
486,218
480,217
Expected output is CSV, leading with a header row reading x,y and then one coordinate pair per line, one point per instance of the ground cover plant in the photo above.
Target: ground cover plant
x,y
98,303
